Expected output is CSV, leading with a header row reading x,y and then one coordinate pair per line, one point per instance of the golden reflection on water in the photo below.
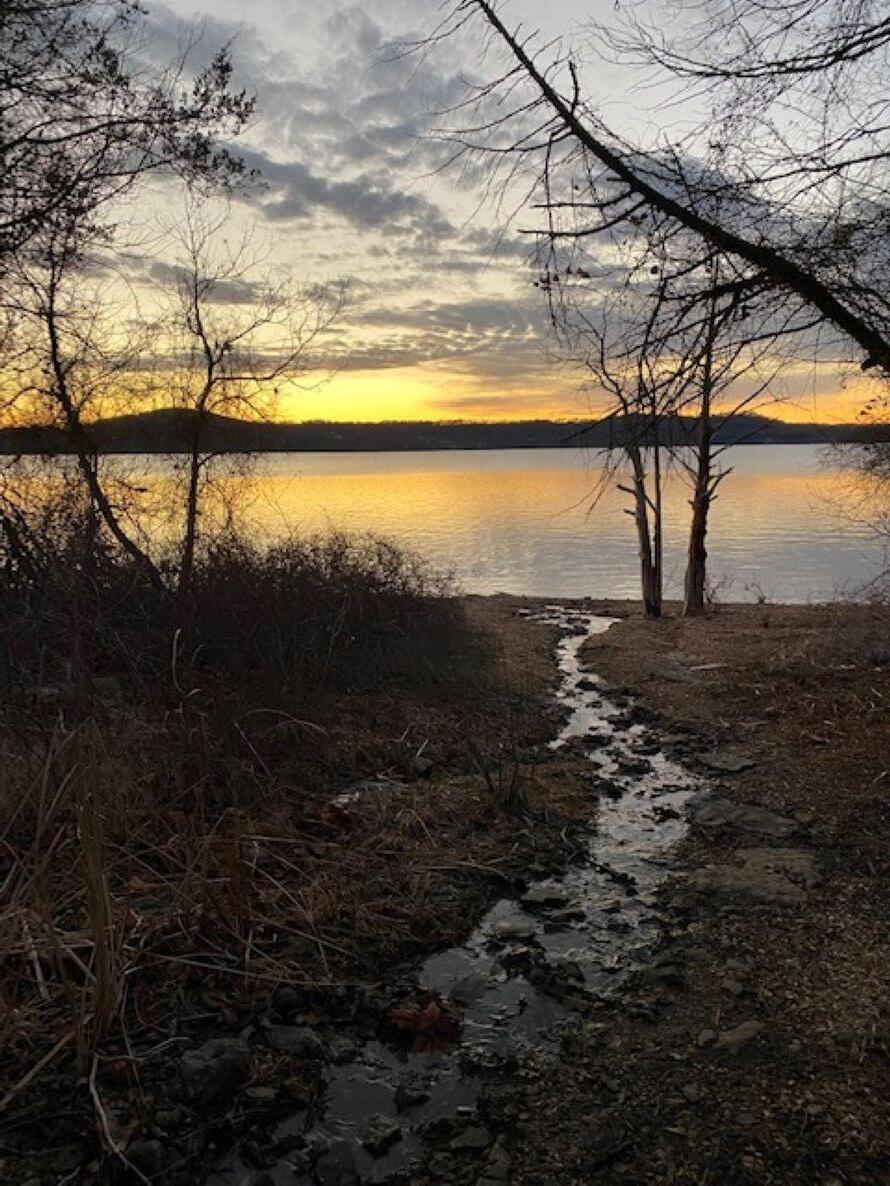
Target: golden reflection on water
x,y
524,521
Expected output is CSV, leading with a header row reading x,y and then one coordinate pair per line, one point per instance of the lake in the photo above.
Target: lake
x,y
521,521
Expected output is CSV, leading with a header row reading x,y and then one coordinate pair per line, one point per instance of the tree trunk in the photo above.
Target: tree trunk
x,y
697,559
650,574
86,456
702,490
187,559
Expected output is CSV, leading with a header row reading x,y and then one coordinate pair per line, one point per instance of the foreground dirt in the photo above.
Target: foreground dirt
x,y
758,1049
381,837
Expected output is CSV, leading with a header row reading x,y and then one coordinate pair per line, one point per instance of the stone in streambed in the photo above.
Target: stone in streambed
x,y
716,811
337,1165
544,898
295,1039
216,1070
472,1138
380,1135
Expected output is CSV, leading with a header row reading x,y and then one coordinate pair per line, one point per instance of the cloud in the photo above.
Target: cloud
x,y
369,201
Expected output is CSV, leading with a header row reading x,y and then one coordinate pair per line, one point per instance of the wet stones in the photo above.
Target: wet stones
x,y
381,1133
708,810
497,1168
773,876
295,1039
474,1138
337,1165
543,897
635,767
514,930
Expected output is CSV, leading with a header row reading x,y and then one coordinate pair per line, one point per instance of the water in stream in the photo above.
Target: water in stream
x,y
512,980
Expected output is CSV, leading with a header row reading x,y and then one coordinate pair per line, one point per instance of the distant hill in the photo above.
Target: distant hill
x,y
169,431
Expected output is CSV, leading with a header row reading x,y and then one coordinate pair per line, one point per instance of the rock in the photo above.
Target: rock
x,y
216,1070
381,1133
337,1165
149,1157
709,810
514,929
668,975
735,1039
733,986
692,1093
341,1051
286,1000
727,759
411,1092
261,1095
769,875
469,988
633,766
298,1040
564,919
544,898
706,1037
497,1168
472,1138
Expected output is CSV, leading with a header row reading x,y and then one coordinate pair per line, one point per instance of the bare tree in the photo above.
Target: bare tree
x,y
240,335
69,359
620,346
82,117
675,375
533,114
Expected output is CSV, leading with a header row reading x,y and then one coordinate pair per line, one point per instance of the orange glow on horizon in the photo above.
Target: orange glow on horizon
x,y
421,394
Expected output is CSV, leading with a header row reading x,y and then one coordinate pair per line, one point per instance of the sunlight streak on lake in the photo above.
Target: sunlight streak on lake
x,y
521,521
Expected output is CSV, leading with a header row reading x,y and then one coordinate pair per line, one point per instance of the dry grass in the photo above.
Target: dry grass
x,y
171,844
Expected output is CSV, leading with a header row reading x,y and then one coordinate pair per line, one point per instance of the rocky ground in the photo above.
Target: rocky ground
x,y
754,1046
756,1049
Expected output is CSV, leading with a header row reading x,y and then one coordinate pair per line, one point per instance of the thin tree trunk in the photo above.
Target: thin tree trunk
x,y
658,527
697,558
187,559
649,574
86,458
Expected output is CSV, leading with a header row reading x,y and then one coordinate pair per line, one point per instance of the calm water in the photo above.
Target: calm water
x,y
521,521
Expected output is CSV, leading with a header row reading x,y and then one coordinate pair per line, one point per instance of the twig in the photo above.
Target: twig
x,y
106,1127
35,1070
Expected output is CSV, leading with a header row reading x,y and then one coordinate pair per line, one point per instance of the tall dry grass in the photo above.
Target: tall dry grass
x,y
165,768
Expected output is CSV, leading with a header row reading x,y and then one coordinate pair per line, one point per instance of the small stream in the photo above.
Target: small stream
x,y
517,979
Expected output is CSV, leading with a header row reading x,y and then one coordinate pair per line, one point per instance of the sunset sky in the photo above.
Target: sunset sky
x,y
443,321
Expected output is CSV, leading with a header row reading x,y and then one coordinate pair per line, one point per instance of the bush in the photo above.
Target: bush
x,y
327,612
